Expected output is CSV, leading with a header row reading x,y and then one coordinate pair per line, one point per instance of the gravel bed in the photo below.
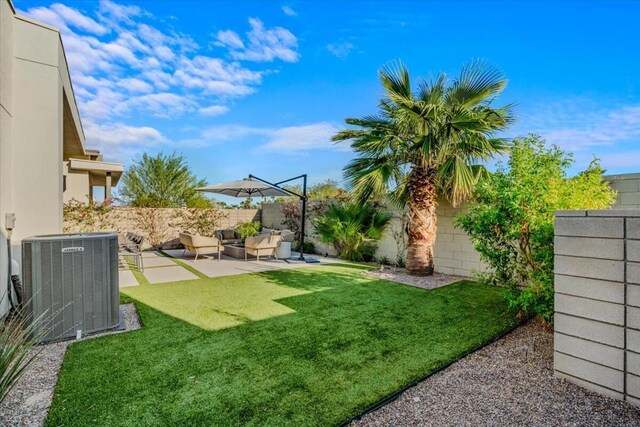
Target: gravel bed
x,y
28,402
509,382
400,275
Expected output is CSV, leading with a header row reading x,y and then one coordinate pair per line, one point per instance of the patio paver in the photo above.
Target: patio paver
x,y
168,274
126,278
158,261
228,266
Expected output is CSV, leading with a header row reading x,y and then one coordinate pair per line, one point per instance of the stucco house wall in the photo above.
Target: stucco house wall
x,y
76,185
39,128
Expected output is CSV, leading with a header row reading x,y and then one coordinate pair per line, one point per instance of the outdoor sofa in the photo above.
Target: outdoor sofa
x,y
228,236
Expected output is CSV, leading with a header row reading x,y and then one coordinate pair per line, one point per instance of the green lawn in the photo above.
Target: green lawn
x,y
342,342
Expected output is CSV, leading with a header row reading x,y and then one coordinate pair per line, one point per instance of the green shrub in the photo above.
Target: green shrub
x,y
247,228
309,247
352,229
400,262
511,220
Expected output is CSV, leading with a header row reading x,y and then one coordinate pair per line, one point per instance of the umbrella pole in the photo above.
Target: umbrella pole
x,y
303,217
303,197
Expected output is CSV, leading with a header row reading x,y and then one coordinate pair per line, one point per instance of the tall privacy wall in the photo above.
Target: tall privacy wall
x,y
454,253
597,301
628,188
160,226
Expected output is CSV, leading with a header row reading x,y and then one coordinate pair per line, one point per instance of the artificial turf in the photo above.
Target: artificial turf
x,y
334,353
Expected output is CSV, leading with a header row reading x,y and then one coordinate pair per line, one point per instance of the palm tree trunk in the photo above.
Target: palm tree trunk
x,y
421,226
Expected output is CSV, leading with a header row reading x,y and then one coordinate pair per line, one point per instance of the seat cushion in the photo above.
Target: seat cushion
x,y
228,234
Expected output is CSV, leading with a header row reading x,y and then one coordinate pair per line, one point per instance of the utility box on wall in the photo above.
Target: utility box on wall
x,y
72,281
597,301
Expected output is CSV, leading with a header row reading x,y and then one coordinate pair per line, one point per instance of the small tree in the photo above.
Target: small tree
x,y
162,181
153,224
511,222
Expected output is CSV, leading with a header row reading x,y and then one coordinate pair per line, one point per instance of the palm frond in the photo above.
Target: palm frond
x,y
478,81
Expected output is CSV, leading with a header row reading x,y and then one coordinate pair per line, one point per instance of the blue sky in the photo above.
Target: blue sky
x,y
260,87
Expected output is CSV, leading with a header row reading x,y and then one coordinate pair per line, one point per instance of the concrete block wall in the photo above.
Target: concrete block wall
x,y
597,301
454,252
628,188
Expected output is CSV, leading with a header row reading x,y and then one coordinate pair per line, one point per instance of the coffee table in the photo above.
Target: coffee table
x,y
234,251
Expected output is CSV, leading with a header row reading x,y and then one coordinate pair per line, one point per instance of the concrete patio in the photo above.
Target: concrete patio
x,y
173,265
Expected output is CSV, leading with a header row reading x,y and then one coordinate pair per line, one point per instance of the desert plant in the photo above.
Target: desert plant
x,y
352,228
161,181
247,228
511,221
400,262
427,144
203,221
384,260
18,339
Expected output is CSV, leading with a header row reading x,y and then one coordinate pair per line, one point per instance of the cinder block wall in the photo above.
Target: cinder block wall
x,y
628,188
597,301
454,253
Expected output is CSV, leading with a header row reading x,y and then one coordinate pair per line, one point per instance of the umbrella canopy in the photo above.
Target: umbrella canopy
x,y
244,188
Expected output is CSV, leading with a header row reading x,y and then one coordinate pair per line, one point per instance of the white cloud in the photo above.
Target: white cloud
x,y
340,50
230,39
289,11
295,139
213,110
287,140
134,85
263,44
78,20
115,13
121,63
119,141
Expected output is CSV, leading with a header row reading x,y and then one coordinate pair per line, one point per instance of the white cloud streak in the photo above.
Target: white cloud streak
x,y
287,10
577,125
289,140
340,50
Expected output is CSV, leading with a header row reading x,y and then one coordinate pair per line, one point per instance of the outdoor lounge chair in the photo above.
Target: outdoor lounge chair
x,y
200,244
261,244
130,245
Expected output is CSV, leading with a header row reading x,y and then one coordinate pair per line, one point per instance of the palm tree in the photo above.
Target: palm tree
x,y
427,144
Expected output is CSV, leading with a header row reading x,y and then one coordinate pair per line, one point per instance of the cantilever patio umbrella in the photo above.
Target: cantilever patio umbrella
x,y
257,187
247,187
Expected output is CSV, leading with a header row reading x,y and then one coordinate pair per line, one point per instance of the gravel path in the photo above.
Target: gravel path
x,y
28,402
400,275
509,382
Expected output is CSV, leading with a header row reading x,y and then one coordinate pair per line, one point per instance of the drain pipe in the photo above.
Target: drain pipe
x,y
9,223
